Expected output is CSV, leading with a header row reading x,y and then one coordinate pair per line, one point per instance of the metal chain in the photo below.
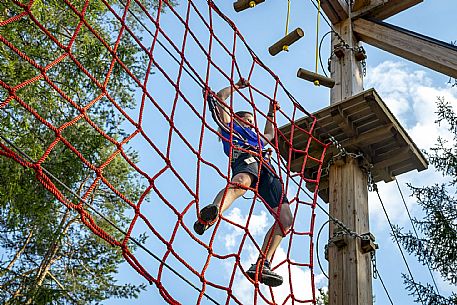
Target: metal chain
x,y
371,184
344,228
373,262
377,275
366,166
364,67
341,154
337,144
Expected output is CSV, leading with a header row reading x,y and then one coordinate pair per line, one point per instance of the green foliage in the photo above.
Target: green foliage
x,y
427,293
437,247
322,299
49,256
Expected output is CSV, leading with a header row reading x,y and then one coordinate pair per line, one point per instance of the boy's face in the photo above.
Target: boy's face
x,y
247,118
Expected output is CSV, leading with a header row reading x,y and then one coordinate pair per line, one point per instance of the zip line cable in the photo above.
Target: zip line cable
x,y
415,232
317,248
320,51
93,209
397,241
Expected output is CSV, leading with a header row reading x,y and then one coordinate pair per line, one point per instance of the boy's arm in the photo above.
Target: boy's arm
x,y
269,131
223,94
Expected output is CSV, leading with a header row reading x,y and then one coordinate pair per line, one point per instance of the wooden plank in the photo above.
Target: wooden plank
x,y
381,9
336,10
436,55
421,161
343,122
370,137
367,124
395,156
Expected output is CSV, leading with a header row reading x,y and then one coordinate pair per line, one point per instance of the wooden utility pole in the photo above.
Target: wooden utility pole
x,y
376,146
350,277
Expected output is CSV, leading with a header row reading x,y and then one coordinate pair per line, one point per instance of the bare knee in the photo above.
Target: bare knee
x,y
240,183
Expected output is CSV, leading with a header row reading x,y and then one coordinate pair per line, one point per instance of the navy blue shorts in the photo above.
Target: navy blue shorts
x,y
270,188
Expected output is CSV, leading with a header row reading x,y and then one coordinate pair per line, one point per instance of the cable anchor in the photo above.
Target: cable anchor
x,y
367,243
360,54
339,50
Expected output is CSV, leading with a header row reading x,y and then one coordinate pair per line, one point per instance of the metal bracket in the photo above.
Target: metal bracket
x,y
360,54
339,50
367,243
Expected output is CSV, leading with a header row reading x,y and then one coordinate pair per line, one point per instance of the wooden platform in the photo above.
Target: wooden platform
x,y
361,124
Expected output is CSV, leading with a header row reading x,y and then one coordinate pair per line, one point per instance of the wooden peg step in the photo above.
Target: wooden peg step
x,y
286,41
241,5
317,79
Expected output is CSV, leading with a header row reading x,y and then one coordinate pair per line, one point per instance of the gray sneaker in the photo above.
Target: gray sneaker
x,y
266,276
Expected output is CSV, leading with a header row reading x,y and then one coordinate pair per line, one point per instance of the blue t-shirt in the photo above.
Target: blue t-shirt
x,y
249,137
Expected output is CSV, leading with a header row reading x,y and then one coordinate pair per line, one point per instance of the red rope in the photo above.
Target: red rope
x,y
201,31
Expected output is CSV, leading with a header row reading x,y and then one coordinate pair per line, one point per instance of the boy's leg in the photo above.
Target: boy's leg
x,y
270,189
238,187
270,244
277,232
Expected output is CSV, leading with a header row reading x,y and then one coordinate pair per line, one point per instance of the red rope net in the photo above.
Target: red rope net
x,y
191,48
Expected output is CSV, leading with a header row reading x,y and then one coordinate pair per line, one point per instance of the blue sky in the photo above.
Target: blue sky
x,y
409,90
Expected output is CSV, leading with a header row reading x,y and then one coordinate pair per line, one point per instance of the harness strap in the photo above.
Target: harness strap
x,y
237,151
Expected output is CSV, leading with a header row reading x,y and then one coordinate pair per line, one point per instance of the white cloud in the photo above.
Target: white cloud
x,y
300,287
410,95
300,284
242,287
258,225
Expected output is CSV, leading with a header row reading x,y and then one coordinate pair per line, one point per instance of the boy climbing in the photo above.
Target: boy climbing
x,y
245,148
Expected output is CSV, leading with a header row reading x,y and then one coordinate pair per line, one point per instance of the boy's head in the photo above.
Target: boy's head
x,y
245,118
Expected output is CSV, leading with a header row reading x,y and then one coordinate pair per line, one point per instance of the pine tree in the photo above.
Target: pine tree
x,y
47,255
322,298
437,247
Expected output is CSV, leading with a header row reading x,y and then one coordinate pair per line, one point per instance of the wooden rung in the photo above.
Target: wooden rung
x,y
286,41
241,5
317,79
